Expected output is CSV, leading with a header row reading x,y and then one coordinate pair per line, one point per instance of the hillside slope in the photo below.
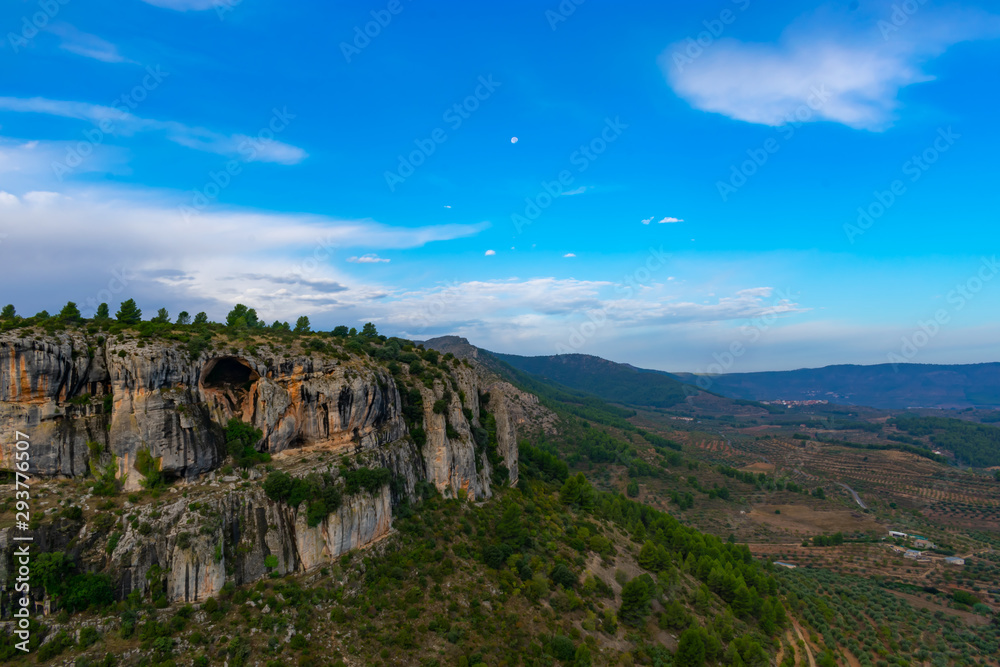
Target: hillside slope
x,y
609,380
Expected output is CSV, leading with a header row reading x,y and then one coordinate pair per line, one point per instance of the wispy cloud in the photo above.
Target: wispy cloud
x,y
490,253
669,219
294,257
569,254
85,44
370,258
648,220
248,148
840,66
577,191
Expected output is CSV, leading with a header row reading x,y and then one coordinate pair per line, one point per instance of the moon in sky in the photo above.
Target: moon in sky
x,y
513,140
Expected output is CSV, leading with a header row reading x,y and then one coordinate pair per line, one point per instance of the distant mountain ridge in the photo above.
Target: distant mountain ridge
x,y
886,386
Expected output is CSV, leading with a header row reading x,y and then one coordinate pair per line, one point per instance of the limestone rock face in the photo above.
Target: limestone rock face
x,y
88,401
126,396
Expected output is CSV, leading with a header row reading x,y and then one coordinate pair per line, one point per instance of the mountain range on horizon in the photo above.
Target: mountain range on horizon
x,y
885,386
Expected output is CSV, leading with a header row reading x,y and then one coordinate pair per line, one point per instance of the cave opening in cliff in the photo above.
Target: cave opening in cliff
x,y
229,373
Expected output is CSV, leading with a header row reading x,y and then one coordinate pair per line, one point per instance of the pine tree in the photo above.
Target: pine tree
x,y
70,313
129,313
690,649
103,313
8,312
302,325
635,602
184,317
162,316
201,318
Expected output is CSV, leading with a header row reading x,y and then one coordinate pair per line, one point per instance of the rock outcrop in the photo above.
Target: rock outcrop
x,y
87,400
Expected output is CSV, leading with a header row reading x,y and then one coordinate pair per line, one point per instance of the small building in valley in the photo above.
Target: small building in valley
x,y
954,560
922,543
912,554
790,566
896,533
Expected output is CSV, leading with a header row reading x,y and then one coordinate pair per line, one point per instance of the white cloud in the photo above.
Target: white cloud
x,y
569,254
669,219
577,191
648,220
24,164
85,44
283,263
826,66
370,258
490,253
245,147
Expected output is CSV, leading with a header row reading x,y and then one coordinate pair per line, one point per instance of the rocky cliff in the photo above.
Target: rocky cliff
x,y
87,400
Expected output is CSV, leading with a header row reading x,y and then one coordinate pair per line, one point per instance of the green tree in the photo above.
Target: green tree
x,y
201,318
162,316
340,332
648,556
302,325
242,317
369,331
42,315
69,313
129,313
744,603
635,602
103,313
241,442
690,649
184,317
51,569
8,312
509,528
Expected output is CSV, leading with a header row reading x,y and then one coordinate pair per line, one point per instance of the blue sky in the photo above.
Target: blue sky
x,y
683,192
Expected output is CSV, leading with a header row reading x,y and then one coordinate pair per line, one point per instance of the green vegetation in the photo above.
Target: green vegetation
x,y
831,605
149,468
972,444
241,443
609,381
